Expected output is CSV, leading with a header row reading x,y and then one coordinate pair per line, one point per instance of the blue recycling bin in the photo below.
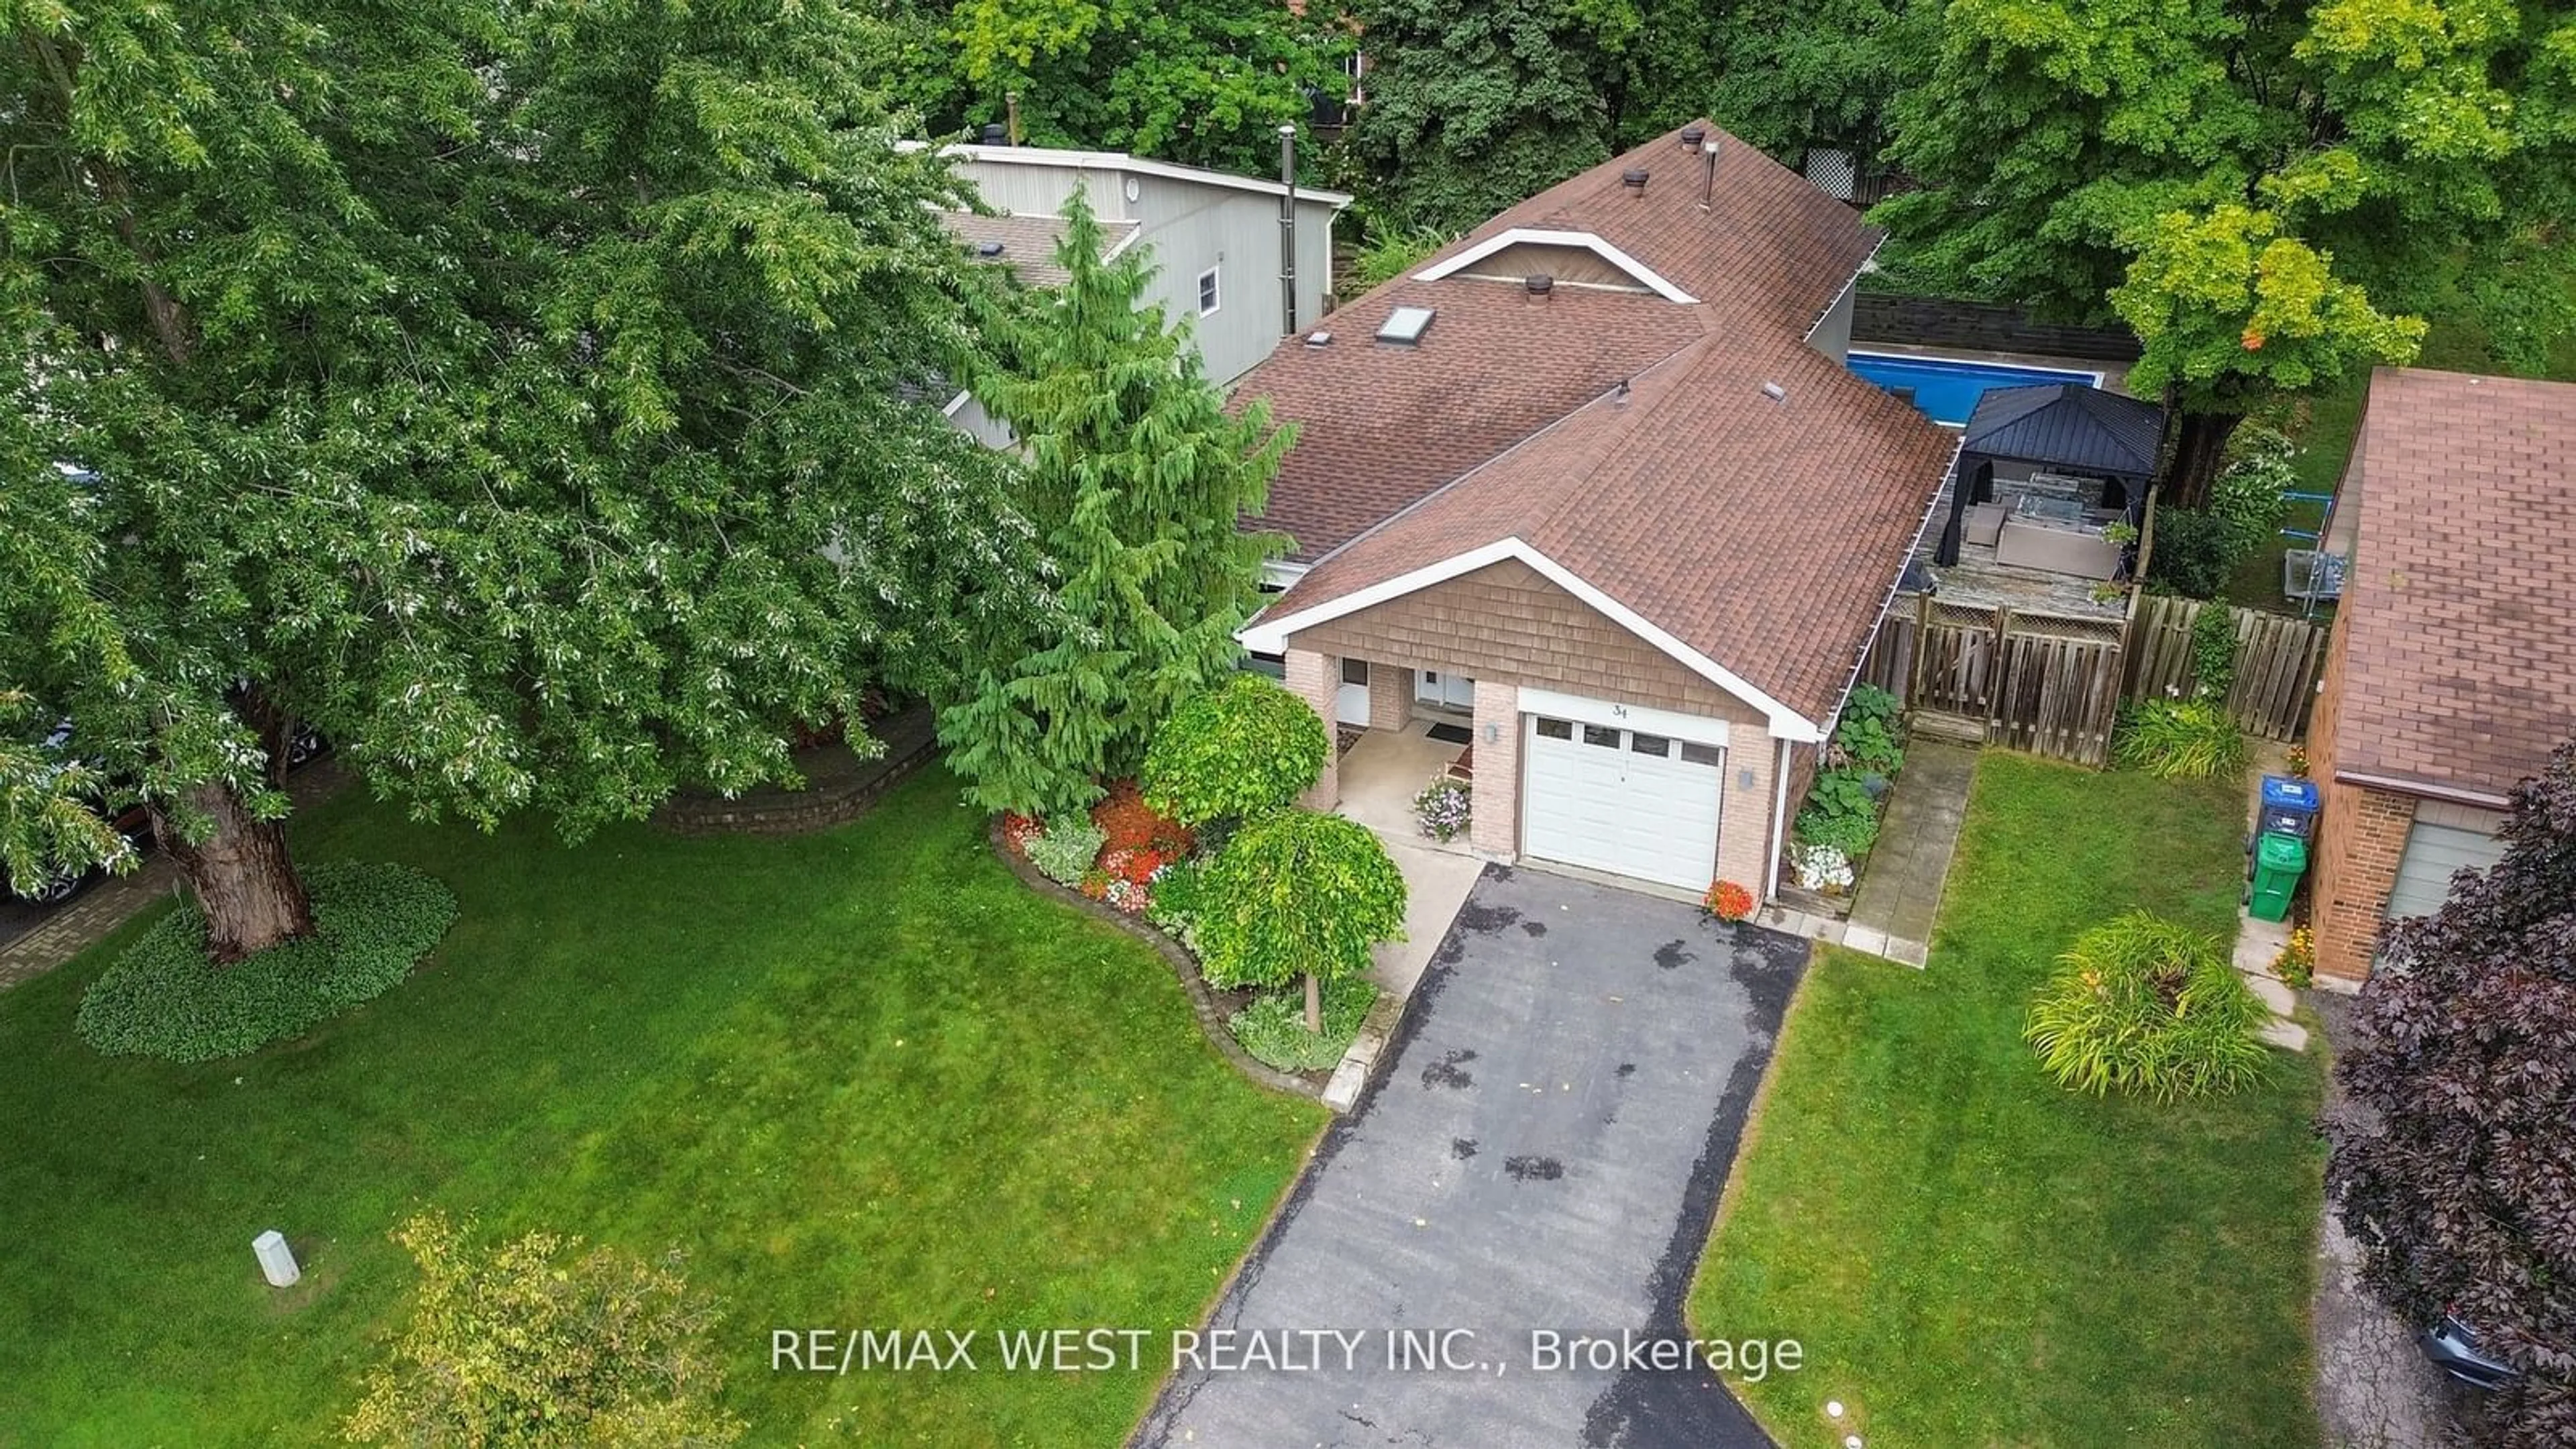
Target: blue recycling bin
x,y
2289,808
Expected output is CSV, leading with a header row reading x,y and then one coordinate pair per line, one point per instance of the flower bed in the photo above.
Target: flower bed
x,y
1838,824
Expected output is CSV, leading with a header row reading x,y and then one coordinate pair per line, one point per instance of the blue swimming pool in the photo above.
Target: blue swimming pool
x,y
1947,391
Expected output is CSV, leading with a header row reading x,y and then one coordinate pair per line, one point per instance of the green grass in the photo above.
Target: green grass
x,y
2325,425
863,1078
1972,1256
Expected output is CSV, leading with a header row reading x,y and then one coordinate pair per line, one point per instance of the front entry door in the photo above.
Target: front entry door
x,y
1445,690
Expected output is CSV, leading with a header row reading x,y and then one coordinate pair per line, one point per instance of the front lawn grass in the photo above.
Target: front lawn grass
x,y
863,1078
1970,1255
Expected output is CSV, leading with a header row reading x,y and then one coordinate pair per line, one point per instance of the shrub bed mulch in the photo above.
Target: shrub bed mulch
x,y
1212,1006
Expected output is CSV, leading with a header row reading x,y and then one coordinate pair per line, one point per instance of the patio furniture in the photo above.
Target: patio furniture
x,y
2058,536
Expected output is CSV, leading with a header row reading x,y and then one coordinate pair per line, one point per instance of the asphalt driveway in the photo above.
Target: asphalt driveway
x,y
1544,1155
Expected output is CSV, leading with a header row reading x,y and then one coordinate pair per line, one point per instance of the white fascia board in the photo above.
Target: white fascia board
x,y
1270,636
1279,573
1142,166
1543,237
954,403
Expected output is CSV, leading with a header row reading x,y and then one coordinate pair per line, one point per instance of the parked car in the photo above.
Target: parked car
x,y
2453,1347
304,745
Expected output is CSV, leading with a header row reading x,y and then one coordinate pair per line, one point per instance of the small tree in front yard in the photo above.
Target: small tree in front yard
x,y
1296,894
522,1345
1241,748
2463,1194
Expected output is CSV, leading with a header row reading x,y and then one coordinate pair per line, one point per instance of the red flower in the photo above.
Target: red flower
x,y
1728,901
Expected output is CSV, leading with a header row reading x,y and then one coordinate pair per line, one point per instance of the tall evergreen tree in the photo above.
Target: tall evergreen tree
x,y
512,391
1137,479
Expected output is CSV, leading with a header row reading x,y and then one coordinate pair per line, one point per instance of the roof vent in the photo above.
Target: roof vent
x,y
996,134
1692,136
988,250
1775,392
1634,178
1404,325
1538,284
1619,399
1319,338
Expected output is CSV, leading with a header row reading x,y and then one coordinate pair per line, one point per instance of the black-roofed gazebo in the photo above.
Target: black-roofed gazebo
x,y
2099,448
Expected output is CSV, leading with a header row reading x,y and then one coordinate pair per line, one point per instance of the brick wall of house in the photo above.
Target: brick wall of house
x,y
2361,836
1317,679
1506,625
1495,826
1390,689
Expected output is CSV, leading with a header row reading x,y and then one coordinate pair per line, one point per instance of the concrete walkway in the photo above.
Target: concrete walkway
x,y
1900,886
2259,943
1382,773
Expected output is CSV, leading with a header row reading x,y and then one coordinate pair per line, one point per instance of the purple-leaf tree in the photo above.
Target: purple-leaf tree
x,y
2463,1191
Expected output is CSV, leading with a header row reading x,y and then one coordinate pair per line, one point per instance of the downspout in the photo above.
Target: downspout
x,y
1779,820
1288,231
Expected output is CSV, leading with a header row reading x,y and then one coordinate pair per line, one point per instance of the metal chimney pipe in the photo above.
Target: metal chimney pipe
x,y
1288,231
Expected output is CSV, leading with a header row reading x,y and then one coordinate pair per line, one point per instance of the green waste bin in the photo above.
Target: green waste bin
x,y
2279,861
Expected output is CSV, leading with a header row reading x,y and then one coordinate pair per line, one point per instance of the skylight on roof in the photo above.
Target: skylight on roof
x,y
1405,325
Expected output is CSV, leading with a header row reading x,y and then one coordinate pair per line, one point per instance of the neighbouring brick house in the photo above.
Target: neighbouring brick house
x,y
2452,674
1593,485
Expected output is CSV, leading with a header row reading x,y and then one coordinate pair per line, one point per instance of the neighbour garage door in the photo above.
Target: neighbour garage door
x,y
1621,800
2433,852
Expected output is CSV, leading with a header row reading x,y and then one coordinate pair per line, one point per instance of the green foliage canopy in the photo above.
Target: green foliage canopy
x,y
518,393
1246,746
1136,478
1296,893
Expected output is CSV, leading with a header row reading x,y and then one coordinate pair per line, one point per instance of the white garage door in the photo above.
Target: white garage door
x,y
2433,852
1623,801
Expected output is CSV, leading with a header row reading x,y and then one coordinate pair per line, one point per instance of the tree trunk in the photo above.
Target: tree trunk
x,y
2197,454
242,876
1314,1005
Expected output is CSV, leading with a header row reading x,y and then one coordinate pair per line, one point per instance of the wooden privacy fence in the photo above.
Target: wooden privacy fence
x,y
2053,685
2037,682
2278,660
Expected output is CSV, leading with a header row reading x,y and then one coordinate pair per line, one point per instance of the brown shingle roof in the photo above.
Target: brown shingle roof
x,y
1761,533
2459,668
1380,425
1028,242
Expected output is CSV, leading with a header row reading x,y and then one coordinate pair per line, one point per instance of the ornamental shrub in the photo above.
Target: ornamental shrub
x,y
164,997
1239,749
1841,811
1065,850
1172,902
1871,733
1273,1027
1296,893
525,1344
2143,1005
2189,739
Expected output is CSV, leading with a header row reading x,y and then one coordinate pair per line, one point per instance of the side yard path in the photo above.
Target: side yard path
x,y
1900,891
1971,1255
67,931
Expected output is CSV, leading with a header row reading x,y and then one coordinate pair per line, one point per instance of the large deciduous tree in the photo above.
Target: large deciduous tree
x,y
1137,478
1207,82
514,392
1473,107
2086,156
2463,1190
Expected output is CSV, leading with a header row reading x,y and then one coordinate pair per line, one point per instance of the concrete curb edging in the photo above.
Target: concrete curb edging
x,y
1202,1001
